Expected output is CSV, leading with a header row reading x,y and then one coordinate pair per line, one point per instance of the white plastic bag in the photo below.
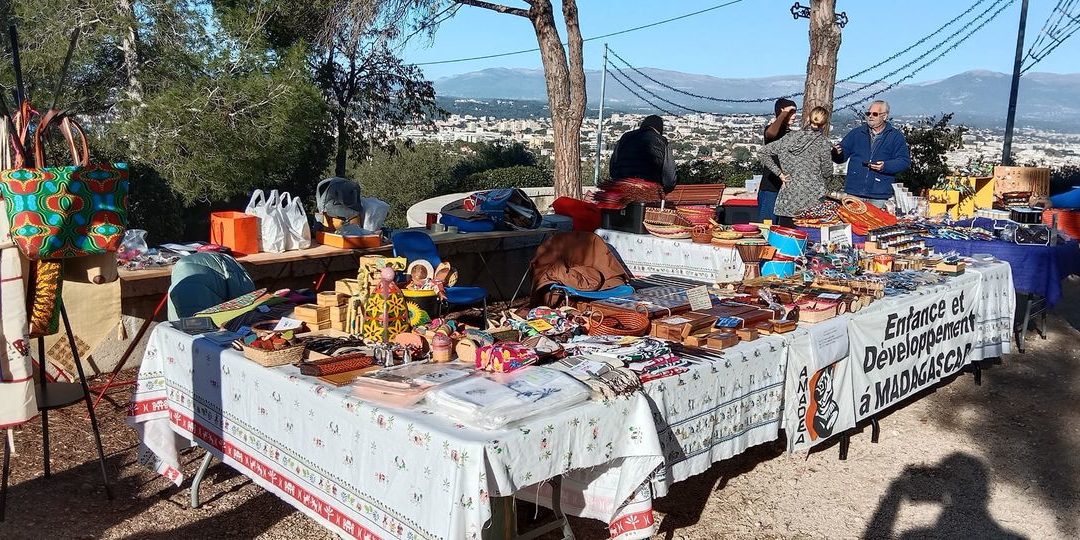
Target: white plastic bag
x,y
297,229
271,224
375,212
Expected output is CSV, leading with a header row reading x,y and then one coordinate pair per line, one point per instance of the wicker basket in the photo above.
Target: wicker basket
x,y
280,357
620,323
702,234
663,216
697,215
675,232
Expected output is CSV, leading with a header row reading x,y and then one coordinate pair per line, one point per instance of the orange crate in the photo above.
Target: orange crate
x,y
348,242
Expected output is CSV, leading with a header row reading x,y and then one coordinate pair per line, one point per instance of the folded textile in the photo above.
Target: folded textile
x,y
606,378
491,401
406,385
626,349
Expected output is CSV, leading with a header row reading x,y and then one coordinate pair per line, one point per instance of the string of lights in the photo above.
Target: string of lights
x,y
593,38
925,65
1051,27
1062,23
849,78
639,96
655,95
946,41
1057,44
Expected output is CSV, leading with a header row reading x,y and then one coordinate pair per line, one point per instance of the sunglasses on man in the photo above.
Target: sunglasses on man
x,y
872,114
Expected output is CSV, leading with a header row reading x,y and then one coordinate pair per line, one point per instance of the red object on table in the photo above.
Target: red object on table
x,y
740,202
585,214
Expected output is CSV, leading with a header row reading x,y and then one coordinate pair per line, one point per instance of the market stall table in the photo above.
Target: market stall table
x,y
847,370
645,254
1036,269
367,471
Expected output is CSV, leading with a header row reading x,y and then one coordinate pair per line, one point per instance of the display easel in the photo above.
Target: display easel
x,y
57,395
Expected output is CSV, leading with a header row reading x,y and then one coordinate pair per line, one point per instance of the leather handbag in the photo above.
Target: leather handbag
x,y
69,211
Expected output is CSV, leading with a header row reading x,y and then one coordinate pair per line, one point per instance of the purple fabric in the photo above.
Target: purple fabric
x,y
1036,269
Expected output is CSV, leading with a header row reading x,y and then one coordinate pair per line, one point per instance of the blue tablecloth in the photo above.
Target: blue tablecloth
x,y
1036,269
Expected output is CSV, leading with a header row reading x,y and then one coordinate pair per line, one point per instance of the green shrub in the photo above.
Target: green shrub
x,y
518,176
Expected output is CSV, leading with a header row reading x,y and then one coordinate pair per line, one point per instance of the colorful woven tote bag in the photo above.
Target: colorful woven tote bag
x,y
70,211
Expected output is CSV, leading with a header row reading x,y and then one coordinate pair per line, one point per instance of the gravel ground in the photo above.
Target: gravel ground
x,y
992,461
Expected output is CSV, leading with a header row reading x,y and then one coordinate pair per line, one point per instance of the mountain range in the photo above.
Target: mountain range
x,y
978,98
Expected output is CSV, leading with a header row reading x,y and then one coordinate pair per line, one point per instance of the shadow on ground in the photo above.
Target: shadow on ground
x,y
72,503
959,484
1026,417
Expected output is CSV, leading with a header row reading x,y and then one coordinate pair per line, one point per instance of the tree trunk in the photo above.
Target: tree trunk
x,y
129,45
821,66
342,139
566,92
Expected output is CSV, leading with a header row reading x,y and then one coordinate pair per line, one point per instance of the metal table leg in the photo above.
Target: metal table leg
x,y
7,471
196,481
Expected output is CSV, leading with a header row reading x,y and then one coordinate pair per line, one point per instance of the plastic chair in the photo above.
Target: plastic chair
x,y
418,245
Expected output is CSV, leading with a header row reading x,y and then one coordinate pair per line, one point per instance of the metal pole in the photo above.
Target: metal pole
x,y
600,121
1006,150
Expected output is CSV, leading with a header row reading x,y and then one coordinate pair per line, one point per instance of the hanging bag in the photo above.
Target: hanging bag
x,y
298,232
71,211
271,233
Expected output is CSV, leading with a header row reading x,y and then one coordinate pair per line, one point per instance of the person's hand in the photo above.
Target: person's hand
x,y
838,149
784,177
877,166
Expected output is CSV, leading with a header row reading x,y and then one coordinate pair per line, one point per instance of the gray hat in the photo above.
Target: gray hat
x,y
338,197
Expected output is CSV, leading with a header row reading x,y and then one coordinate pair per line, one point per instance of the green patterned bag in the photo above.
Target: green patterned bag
x,y
70,211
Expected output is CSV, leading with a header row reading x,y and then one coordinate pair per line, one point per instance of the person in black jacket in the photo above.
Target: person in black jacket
x,y
770,182
645,153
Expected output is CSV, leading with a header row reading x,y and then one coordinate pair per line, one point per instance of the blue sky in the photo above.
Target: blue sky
x,y
752,38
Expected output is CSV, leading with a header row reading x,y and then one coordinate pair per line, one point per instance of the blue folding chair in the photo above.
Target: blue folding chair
x,y
620,291
417,245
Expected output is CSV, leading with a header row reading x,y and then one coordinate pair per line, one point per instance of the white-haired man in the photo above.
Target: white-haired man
x,y
876,152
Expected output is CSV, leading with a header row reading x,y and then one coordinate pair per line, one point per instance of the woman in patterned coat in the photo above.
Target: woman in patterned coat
x,y
805,162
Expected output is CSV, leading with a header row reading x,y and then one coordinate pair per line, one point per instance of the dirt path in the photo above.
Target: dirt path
x,y
991,461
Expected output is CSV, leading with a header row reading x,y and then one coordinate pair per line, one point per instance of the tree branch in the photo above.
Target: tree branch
x,y
495,7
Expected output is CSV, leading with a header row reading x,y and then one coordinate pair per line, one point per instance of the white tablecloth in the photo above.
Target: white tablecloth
x,y
370,472
645,254
712,412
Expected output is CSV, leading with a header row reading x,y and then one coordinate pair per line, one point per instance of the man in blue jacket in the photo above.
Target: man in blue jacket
x,y
876,152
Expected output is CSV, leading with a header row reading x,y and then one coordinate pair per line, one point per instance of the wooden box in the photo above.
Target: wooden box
x,y
339,313
677,327
721,340
331,299
699,340
747,334
312,313
348,242
814,311
1034,179
954,269
783,327
763,328
348,287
